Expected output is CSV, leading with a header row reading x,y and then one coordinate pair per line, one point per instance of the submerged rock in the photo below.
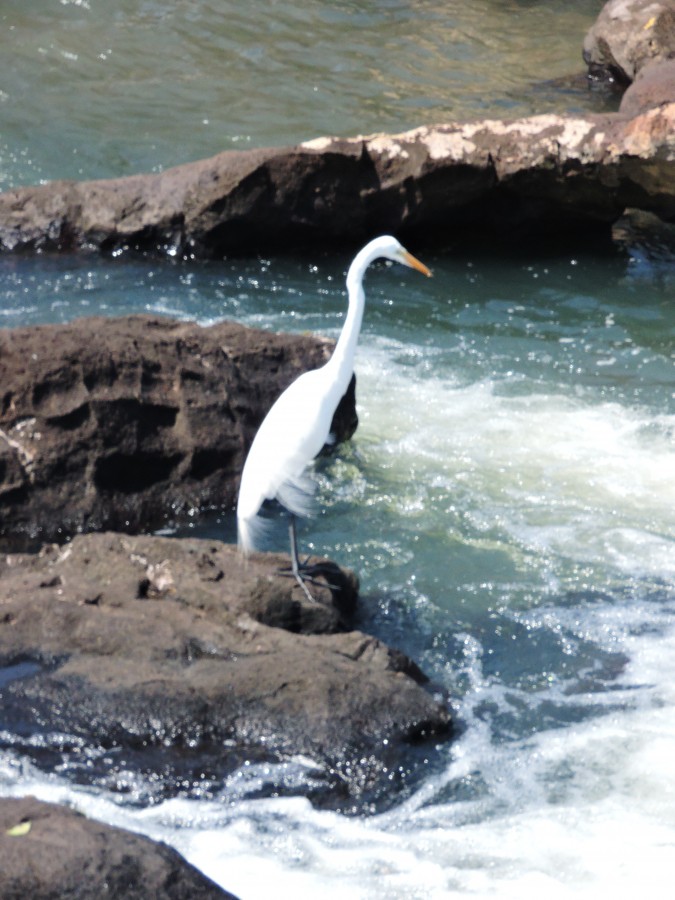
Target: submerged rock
x,y
50,851
129,423
181,661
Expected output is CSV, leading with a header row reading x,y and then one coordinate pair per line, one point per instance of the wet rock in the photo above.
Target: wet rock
x,y
51,851
129,423
629,35
645,236
182,661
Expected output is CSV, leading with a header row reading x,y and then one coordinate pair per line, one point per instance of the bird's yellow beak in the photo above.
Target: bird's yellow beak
x,y
414,263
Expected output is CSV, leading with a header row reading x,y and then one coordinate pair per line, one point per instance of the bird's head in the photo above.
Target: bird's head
x,y
391,248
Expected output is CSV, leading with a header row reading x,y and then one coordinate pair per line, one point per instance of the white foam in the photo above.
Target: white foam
x,y
574,812
614,828
587,479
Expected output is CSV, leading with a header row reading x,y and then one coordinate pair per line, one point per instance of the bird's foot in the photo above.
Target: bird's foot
x,y
304,574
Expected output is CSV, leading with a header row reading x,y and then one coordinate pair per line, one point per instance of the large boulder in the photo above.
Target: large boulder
x,y
629,35
129,423
654,86
181,660
547,173
50,851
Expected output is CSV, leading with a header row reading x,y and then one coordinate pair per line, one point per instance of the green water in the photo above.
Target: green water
x,y
92,89
516,413
508,497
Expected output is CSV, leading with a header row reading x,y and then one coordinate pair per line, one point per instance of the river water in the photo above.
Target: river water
x,y
508,497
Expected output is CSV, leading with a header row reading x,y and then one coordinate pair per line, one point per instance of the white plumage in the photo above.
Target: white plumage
x,y
298,424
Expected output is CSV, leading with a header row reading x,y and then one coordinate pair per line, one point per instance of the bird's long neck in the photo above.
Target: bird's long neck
x,y
342,360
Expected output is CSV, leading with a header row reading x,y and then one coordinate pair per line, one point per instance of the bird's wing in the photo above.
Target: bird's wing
x,y
291,435
296,493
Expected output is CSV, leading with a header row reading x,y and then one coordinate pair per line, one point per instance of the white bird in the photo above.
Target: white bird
x,y
298,425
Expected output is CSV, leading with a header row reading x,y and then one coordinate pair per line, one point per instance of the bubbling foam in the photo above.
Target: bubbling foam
x,y
585,479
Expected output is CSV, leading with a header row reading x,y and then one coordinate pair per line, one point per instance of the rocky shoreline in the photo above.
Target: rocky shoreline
x,y
555,174
175,658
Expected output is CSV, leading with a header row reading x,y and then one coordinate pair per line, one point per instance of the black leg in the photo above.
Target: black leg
x,y
295,565
301,571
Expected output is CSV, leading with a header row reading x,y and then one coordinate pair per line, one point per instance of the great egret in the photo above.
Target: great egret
x,y
298,425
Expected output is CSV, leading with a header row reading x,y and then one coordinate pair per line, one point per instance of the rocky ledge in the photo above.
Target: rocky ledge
x,y
135,422
181,659
50,851
546,173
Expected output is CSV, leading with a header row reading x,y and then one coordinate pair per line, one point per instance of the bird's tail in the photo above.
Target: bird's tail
x,y
251,531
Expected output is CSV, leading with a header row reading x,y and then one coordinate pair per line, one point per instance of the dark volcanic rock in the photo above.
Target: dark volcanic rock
x,y
127,423
63,854
186,659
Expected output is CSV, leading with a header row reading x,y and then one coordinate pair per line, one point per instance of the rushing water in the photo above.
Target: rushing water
x,y
508,498
507,501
